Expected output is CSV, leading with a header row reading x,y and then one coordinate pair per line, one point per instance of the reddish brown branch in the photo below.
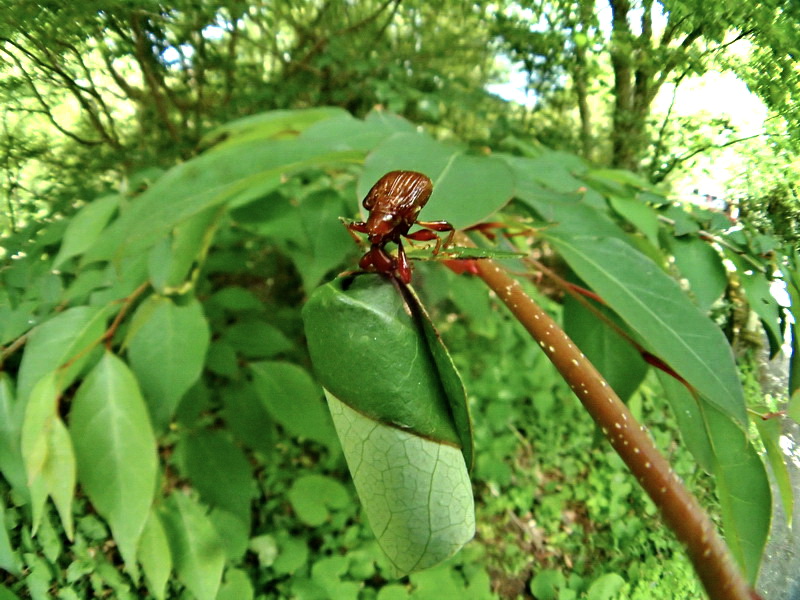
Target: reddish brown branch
x,y
128,301
108,334
707,551
581,294
11,348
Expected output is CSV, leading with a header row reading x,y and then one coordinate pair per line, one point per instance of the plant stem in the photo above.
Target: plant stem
x,y
684,515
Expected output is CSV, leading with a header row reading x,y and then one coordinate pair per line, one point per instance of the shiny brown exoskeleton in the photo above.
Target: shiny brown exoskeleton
x,y
393,204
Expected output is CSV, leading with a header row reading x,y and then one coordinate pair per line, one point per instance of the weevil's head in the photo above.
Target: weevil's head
x,y
382,225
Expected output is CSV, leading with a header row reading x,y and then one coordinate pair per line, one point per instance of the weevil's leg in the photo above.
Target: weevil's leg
x,y
377,258
428,233
403,266
423,235
366,261
359,226
487,229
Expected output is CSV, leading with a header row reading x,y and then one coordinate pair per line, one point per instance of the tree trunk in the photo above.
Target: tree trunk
x,y
581,80
624,149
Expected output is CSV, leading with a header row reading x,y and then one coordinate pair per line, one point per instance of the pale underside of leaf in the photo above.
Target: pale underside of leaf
x,y
416,492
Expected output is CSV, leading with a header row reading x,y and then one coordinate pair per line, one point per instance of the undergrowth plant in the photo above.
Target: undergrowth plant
x,y
163,431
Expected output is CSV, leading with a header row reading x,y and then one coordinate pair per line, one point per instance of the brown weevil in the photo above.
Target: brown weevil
x,y
394,203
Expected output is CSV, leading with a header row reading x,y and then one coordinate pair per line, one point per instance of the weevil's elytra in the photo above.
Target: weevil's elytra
x,y
394,203
400,191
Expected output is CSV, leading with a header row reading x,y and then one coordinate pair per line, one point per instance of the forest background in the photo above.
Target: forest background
x,y
102,100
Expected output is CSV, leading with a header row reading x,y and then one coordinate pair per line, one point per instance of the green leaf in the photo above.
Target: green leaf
x,y
770,433
293,399
167,348
569,212
448,375
174,260
442,581
49,540
236,299
292,555
329,573
684,222
47,453
234,533
7,594
255,338
654,198
756,287
638,214
390,121
743,490
247,418
219,471
265,547
721,447
116,450
12,413
547,583
84,228
121,281
196,548
221,360
236,586
655,308
88,280
328,241
309,231
154,554
194,405
691,422
276,216
40,413
370,352
271,124
416,492
312,495
9,559
350,133
469,294
702,266
16,320
617,360
555,171
793,407
791,276
59,474
619,177
464,253
605,587
68,335
235,174
466,189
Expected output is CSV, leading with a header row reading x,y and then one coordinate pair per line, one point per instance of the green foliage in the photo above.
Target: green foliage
x,y
164,364
139,83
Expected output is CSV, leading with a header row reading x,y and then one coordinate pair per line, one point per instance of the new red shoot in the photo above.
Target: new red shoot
x,y
394,203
